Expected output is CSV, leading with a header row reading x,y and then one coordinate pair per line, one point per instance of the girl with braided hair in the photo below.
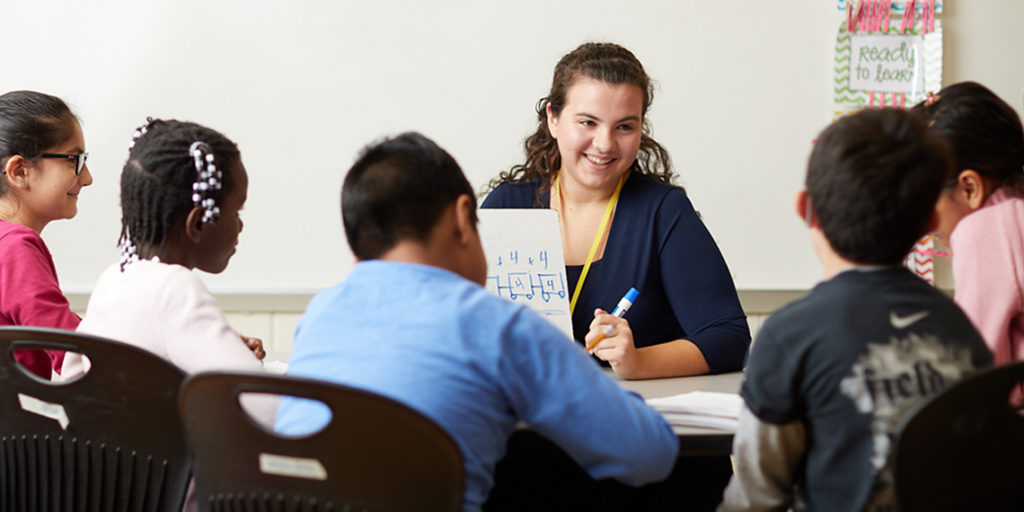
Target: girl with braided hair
x,y
42,172
181,191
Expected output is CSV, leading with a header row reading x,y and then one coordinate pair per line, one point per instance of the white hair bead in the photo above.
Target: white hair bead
x,y
208,179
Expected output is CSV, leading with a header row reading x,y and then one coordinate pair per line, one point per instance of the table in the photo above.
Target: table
x,y
536,472
693,441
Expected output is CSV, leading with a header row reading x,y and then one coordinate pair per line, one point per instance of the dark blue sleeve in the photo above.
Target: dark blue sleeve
x,y
771,387
508,195
699,286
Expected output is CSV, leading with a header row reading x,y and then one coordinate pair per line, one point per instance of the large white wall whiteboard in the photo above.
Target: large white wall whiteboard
x,y
743,87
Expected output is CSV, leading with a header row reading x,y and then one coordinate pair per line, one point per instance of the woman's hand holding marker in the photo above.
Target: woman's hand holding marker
x,y
610,337
620,311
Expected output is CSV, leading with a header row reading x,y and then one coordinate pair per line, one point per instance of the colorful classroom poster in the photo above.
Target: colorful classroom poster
x,y
886,56
889,63
888,53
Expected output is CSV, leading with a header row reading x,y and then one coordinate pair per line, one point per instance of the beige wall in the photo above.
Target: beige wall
x,y
983,41
273,317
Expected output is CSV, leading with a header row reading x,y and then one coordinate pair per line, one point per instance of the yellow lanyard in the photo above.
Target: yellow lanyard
x,y
597,238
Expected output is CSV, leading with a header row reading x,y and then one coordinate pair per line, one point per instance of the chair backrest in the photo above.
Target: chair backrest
x,y
375,454
963,449
110,440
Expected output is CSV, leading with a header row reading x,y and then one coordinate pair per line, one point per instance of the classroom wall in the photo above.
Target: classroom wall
x,y
273,319
743,87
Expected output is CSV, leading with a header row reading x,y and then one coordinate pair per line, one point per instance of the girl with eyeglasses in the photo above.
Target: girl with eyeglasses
x,y
42,171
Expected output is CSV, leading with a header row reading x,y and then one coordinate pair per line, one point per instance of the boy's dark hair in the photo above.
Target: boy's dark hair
x,y
156,183
397,189
873,179
30,123
984,132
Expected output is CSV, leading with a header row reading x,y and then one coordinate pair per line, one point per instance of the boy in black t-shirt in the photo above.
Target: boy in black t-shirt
x,y
831,375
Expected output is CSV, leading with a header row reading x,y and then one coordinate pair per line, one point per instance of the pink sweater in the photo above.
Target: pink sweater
x,y
30,294
988,270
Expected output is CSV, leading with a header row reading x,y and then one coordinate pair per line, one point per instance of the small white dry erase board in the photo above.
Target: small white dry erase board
x,y
525,262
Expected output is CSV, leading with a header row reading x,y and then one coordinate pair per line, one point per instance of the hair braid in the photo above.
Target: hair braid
x,y
158,178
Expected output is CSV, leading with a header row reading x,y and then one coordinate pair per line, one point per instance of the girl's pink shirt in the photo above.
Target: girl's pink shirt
x,y
988,271
30,294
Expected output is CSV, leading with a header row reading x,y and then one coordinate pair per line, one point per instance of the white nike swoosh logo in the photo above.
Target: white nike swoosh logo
x,y
902,322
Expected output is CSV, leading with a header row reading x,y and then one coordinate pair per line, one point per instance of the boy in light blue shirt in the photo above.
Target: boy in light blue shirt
x,y
412,322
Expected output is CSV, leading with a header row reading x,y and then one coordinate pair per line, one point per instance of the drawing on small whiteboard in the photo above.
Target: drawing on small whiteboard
x,y
524,261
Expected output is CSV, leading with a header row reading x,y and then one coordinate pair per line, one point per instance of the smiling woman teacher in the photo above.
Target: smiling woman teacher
x,y
625,225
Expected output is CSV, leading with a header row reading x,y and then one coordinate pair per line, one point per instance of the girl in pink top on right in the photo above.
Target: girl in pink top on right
x,y
981,211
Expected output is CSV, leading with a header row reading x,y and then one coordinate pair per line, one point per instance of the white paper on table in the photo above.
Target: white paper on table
x,y
700,409
701,421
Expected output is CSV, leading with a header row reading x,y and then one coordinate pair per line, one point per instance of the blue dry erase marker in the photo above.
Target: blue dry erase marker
x,y
625,303
620,311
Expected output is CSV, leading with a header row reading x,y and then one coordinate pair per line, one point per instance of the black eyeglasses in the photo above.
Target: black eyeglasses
x,y
79,159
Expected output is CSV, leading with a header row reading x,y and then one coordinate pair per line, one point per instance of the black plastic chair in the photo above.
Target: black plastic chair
x,y
121,448
963,448
375,454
